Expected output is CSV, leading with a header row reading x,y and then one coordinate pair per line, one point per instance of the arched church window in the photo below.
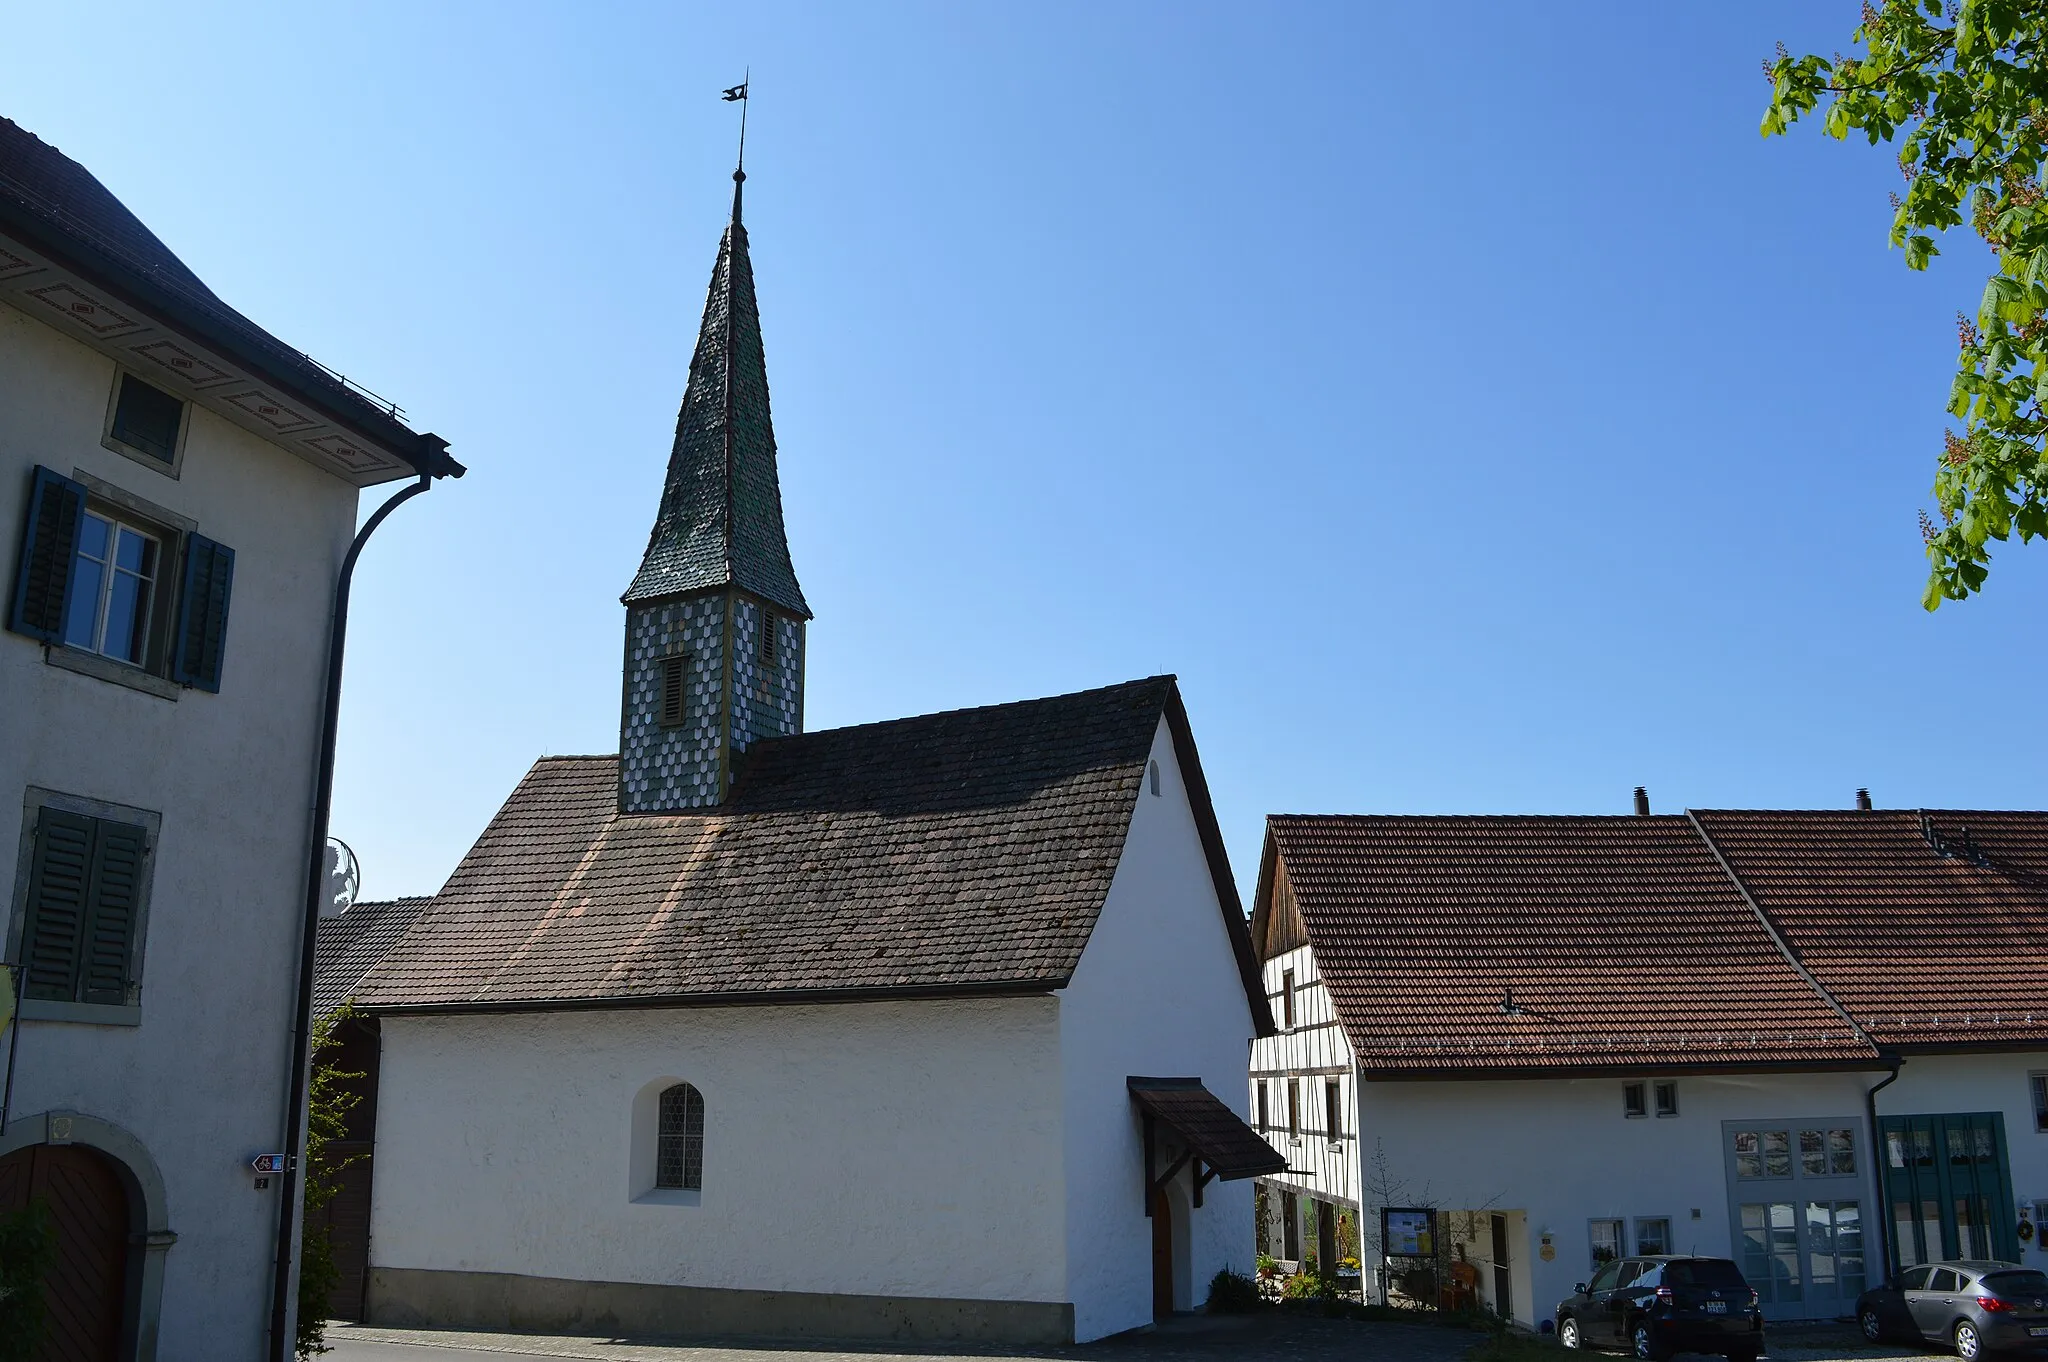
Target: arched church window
x,y
679,1148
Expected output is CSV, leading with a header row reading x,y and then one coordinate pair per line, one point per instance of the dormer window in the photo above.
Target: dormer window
x,y
147,420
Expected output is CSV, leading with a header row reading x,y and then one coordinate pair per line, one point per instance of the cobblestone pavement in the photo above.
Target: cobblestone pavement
x,y
1193,1339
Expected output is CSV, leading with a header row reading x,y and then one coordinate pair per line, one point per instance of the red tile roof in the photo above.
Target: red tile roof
x,y
1623,942
1716,938
1920,947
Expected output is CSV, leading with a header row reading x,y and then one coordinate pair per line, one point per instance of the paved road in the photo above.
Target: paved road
x,y
1197,1339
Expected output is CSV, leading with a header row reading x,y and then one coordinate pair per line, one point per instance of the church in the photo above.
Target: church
x,y
926,1029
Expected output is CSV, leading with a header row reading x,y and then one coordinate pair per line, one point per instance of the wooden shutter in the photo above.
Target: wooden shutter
x,y
113,897
202,632
58,888
49,548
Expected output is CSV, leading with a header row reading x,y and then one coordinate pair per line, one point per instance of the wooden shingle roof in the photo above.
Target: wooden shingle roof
x,y
956,853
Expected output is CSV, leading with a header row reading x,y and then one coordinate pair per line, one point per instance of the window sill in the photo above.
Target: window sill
x,y
670,1196
90,1014
170,467
106,669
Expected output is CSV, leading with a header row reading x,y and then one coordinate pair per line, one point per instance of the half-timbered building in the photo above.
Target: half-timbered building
x,y
1814,1042
932,1028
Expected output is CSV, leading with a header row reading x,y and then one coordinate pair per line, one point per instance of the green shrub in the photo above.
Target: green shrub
x,y
28,1247
1233,1293
1307,1285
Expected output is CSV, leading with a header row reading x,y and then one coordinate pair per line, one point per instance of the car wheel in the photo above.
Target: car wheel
x,y
1743,1355
1873,1326
1647,1345
1969,1343
1568,1333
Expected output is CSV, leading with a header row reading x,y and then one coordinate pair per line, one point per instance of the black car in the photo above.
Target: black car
x,y
1973,1305
1655,1307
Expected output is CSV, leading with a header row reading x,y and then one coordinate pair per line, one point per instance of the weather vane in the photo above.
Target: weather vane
x,y
739,92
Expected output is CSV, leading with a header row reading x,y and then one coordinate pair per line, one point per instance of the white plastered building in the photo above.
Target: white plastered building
x,y
926,1029
1749,1034
177,491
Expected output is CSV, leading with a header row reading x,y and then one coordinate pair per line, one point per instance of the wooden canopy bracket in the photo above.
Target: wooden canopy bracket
x,y
1155,1179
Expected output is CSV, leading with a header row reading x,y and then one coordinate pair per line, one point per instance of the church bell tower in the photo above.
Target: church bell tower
x,y
714,618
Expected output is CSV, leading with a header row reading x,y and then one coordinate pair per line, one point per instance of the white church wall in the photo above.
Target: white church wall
x,y
1157,993
901,1149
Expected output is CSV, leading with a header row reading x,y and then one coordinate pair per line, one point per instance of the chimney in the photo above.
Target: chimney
x,y
1863,798
1642,801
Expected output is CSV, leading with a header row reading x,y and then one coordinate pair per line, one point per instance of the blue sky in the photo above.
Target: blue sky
x,y
1465,401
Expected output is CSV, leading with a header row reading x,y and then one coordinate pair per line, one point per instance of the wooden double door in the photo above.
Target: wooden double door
x,y
86,1293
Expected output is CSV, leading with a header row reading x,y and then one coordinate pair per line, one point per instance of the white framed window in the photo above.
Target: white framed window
x,y
1653,1234
1604,1239
146,424
1634,1101
1287,998
1333,1111
112,609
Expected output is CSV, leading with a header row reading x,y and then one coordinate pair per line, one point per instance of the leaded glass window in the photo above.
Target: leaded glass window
x,y
679,1152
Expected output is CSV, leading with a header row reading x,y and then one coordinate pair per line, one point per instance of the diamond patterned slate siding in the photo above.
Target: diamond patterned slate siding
x,y
1921,948
1624,942
951,852
663,769
767,697
720,523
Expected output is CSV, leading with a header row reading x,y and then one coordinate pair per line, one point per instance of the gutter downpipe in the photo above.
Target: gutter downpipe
x,y
1887,1251
283,1347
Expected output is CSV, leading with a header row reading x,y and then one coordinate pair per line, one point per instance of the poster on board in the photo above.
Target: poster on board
x,y
1408,1231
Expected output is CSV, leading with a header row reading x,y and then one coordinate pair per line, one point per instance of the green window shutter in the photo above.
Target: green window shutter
x,y
202,632
112,898
58,887
49,549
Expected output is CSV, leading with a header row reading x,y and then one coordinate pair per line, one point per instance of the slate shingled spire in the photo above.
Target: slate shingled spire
x,y
721,509
715,621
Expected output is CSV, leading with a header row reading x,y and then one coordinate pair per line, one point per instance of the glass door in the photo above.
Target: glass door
x,y
1795,1202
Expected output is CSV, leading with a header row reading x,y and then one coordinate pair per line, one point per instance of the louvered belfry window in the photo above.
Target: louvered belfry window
x,y
679,1152
768,625
84,898
671,701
